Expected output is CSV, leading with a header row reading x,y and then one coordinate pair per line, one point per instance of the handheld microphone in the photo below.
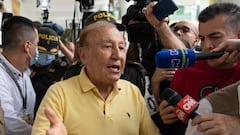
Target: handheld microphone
x,y
180,58
185,108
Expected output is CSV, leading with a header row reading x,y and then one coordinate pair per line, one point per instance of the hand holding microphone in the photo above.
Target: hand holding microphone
x,y
229,45
185,108
158,77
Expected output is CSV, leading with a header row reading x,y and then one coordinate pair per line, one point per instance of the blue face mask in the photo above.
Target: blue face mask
x,y
45,58
35,59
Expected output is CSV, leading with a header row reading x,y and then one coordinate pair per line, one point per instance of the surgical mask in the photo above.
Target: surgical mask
x,y
34,59
45,58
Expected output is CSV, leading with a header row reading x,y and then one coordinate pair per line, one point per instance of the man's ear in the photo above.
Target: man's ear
x,y
81,54
26,46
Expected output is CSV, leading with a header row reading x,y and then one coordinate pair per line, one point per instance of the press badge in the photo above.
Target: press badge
x,y
27,117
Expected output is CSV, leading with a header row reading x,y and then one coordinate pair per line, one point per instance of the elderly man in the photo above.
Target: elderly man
x,y
96,98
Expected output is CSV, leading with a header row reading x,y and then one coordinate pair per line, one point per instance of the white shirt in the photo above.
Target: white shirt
x,y
11,100
204,108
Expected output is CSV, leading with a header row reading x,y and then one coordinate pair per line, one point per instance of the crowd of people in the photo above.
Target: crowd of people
x,y
42,91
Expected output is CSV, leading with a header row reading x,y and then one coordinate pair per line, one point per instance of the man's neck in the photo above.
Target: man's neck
x,y
16,61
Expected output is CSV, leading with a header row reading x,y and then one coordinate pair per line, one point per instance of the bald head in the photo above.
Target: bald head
x,y
92,28
188,31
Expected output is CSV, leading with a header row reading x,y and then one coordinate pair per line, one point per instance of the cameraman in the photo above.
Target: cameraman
x,y
145,42
143,39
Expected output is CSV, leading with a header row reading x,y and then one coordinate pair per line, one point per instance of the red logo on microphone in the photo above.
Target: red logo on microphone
x,y
185,107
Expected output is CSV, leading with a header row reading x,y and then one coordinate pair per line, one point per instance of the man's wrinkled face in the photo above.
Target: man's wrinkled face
x,y
104,55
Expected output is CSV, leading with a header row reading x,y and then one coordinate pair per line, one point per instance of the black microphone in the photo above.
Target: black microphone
x,y
185,108
208,55
180,58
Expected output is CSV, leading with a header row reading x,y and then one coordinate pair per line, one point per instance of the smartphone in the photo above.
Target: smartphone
x,y
164,8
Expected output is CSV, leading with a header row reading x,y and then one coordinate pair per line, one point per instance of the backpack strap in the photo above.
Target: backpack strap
x,y
137,74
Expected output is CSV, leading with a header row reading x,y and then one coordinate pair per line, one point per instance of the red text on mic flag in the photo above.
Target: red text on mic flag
x,y
185,107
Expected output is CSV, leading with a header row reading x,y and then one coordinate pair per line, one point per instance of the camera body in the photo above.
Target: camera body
x,y
141,31
142,35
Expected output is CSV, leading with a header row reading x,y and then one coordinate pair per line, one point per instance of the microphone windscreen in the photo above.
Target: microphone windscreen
x,y
175,58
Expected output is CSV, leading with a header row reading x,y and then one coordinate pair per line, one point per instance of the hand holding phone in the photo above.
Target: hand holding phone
x,y
164,8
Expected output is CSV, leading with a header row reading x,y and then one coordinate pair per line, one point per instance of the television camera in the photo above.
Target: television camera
x,y
141,31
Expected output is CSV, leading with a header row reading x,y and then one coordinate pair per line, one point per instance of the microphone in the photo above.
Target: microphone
x,y
185,108
180,58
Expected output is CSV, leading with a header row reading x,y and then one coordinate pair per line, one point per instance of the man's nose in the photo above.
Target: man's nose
x,y
116,52
178,32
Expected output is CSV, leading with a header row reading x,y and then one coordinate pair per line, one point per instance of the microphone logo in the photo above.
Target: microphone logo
x,y
177,61
185,107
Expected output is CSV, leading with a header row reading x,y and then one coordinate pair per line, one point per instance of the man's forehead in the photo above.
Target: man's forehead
x,y
186,24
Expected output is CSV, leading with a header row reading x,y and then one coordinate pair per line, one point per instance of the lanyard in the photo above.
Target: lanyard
x,y
10,73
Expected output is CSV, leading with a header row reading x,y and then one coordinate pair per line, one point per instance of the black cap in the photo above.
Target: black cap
x,y
48,40
103,15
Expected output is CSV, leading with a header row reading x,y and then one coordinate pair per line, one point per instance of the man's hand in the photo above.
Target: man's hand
x,y
217,124
229,58
148,12
166,113
159,75
56,126
229,45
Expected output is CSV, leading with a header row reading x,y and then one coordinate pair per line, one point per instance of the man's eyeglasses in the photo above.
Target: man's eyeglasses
x,y
183,29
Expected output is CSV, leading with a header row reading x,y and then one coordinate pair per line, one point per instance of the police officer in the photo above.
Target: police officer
x,y
48,69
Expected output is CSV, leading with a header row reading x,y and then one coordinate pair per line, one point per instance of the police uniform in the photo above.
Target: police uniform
x,y
45,75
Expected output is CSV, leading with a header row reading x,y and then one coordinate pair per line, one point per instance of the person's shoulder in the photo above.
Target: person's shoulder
x,y
59,64
73,70
3,73
65,85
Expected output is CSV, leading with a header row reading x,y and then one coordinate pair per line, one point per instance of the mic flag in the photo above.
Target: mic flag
x,y
185,107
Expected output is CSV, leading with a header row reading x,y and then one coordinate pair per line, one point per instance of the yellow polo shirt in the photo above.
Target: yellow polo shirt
x,y
83,111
